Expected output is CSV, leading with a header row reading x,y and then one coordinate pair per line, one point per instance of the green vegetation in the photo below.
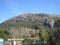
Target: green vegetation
x,y
44,35
21,25
55,36
4,34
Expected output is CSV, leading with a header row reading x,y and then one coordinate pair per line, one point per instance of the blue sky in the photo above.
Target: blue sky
x,y
11,8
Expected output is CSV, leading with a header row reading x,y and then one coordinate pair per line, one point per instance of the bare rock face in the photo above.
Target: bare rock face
x,y
51,23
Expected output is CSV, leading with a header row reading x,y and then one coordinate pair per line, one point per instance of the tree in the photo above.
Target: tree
x,y
55,36
4,34
44,34
36,27
57,24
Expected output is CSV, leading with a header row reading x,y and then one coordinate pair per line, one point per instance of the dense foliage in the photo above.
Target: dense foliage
x,y
55,36
4,34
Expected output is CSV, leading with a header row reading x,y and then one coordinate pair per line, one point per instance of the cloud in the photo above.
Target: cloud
x,y
13,6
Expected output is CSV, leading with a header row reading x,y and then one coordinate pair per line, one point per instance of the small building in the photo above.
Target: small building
x,y
15,41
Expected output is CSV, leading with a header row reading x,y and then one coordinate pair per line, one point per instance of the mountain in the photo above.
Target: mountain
x,y
24,23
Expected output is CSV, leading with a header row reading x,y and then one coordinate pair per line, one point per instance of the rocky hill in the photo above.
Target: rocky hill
x,y
24,23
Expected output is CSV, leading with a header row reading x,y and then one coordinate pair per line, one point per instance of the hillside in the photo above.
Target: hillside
x,y
46,26
22,24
